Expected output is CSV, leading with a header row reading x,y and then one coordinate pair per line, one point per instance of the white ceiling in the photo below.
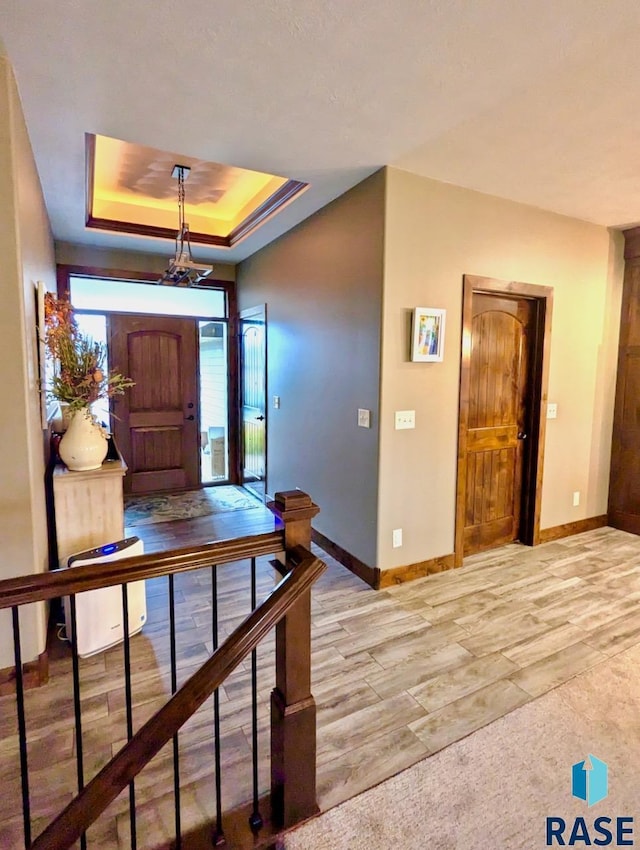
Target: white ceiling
x,y
533,100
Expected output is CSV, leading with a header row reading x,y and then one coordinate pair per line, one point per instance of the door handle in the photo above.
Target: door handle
x,y
522,435
259,418
190,418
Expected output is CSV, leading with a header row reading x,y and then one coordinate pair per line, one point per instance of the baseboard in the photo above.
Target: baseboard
x,y
34,674
374,576
380,579
410,572
569,528
370,575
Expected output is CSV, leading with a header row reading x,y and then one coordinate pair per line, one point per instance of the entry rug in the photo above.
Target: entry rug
x,y
163,507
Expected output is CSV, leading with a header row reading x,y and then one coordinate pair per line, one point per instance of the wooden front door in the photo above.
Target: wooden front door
x,y
253,396
498,419
156,422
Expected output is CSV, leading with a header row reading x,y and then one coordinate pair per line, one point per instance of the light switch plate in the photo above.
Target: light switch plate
x,y
405,419
397,538
276,402
552,411
364,418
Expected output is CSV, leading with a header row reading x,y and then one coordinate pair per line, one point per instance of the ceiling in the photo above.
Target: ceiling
x,y
536,102
134,189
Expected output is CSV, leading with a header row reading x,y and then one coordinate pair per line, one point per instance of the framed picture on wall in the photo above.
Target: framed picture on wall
x,y
427,342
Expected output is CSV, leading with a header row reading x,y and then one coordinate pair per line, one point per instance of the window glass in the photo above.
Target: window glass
x,y
95,327
123,296
214,436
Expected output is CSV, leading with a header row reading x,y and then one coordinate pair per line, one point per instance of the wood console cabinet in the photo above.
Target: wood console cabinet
x,y
89,507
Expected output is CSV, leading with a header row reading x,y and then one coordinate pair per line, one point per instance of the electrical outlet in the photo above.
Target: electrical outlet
x,y
364,418
552,411
405,419
576,498
397,538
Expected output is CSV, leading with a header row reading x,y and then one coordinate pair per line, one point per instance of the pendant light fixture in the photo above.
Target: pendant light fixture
x,y
182,270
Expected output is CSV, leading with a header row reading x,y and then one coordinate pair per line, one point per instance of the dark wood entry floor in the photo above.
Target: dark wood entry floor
x,y
179,533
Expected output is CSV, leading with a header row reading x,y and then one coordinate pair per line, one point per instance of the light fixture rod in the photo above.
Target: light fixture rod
x,y
183,271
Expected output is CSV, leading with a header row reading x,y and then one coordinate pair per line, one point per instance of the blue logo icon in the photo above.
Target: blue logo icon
x,y
589,780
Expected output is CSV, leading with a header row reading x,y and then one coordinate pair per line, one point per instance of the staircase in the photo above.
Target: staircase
x,y
154,748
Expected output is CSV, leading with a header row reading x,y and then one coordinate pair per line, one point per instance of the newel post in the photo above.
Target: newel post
x,y
293,708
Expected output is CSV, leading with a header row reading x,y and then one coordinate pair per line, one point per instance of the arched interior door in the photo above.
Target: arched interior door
x,y
499,421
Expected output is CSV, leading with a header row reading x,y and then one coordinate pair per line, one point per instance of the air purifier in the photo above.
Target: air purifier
x,y
99,614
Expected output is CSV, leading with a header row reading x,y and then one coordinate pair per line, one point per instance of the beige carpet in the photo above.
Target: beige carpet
x,y
495,788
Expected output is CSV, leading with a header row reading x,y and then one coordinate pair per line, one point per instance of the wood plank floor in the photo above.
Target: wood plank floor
x,y
397,674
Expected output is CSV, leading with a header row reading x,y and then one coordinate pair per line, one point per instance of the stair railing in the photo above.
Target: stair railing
x,y
293,714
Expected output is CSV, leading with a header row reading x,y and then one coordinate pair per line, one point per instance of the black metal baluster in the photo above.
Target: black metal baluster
x,y
22,727
128,700
218,833
174,687
255,819
76,704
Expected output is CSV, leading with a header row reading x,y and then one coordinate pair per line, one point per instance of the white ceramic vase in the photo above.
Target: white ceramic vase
x,y
84,444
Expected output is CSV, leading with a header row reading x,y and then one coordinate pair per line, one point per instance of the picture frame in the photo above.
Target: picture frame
x,y
427,338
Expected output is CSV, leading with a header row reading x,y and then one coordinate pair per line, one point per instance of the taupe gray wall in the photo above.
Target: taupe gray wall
x,y
130,261
435,233
26,249
322,283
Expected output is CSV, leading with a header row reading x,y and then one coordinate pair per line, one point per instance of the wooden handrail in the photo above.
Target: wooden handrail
x,y
36,588
97,795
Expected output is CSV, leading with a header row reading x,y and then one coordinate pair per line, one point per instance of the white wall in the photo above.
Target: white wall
x,y
434,234
26,248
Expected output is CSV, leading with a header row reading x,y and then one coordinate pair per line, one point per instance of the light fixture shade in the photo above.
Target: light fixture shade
x,y
182,269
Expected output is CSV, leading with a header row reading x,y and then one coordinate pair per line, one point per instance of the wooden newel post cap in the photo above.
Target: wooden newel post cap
x,y
292,505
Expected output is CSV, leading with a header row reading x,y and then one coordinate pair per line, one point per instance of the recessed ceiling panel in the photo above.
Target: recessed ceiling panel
x,y
130,189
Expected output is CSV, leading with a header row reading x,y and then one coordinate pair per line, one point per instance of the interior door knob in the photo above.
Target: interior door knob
x,y
521,435
190,418
259,418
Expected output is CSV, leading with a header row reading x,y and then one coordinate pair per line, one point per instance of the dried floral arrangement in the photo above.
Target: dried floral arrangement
x,y
80,377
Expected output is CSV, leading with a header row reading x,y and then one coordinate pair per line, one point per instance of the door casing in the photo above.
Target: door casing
x,y
542,296
64,273
249,317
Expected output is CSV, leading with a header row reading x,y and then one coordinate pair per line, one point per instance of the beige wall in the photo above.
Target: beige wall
x,y
322,283
130,261
436,233
26,249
